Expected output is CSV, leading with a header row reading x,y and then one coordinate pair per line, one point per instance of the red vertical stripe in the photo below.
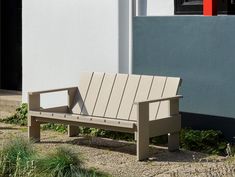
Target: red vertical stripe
x,y
209,7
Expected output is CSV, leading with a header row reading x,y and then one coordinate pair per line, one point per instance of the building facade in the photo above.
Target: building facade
x,y
73,36
62,38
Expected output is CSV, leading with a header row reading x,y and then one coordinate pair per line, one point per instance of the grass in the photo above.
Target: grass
x,y
19,159
15,153
62,162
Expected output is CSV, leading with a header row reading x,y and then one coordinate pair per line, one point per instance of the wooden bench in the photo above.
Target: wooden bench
x,y
145,105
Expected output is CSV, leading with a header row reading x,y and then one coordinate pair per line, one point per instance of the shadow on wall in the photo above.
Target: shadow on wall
x,y
205,122
124,35
142,7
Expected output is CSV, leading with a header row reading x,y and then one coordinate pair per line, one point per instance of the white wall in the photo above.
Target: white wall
x,y
156,7
160,7
61,38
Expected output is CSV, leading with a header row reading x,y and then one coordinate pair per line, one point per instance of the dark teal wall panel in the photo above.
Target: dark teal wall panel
x,y
201,50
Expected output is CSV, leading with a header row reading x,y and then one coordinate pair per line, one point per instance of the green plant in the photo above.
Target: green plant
x,y
18,159
57,127
106,134
207,141
20,116
64,163
14,155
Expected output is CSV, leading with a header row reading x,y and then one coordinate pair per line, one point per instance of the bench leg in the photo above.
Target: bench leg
x,y
142,131
142,146
173,141
73,131
33,129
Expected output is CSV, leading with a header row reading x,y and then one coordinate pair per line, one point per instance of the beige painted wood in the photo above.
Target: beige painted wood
x,y
84,119
60,109
52,90
116,96
160,99
156,91
72,94
104,95
164,126
33,126
83,86
92,94
171,89
173,136
143,131
84,124
145,105
174,107
142,94
128,97
173,141
33,129
34,101
73,131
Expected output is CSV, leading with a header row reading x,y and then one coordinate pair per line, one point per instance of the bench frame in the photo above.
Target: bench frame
x,y
143,128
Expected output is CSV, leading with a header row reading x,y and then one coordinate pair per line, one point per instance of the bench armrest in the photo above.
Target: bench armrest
x,y
160,99
53,90
34,97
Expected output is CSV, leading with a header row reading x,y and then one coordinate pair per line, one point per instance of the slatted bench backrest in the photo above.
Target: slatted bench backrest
x,y
113,95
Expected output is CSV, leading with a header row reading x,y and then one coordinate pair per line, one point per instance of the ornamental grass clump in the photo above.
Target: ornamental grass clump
x,y
64,163
60,163
16,157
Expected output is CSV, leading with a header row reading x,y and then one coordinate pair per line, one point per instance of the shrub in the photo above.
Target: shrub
x,y
207,141
20,116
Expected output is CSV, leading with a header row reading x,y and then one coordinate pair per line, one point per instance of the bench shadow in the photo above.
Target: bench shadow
x,y
9,128
157,153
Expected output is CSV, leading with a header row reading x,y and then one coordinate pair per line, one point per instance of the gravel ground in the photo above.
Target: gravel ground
x,y
118,157
6,111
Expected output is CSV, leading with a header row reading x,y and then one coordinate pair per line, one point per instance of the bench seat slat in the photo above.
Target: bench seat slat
x,y
84,119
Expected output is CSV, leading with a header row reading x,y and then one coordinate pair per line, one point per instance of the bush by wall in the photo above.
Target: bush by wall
x,y
19,117
207,141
